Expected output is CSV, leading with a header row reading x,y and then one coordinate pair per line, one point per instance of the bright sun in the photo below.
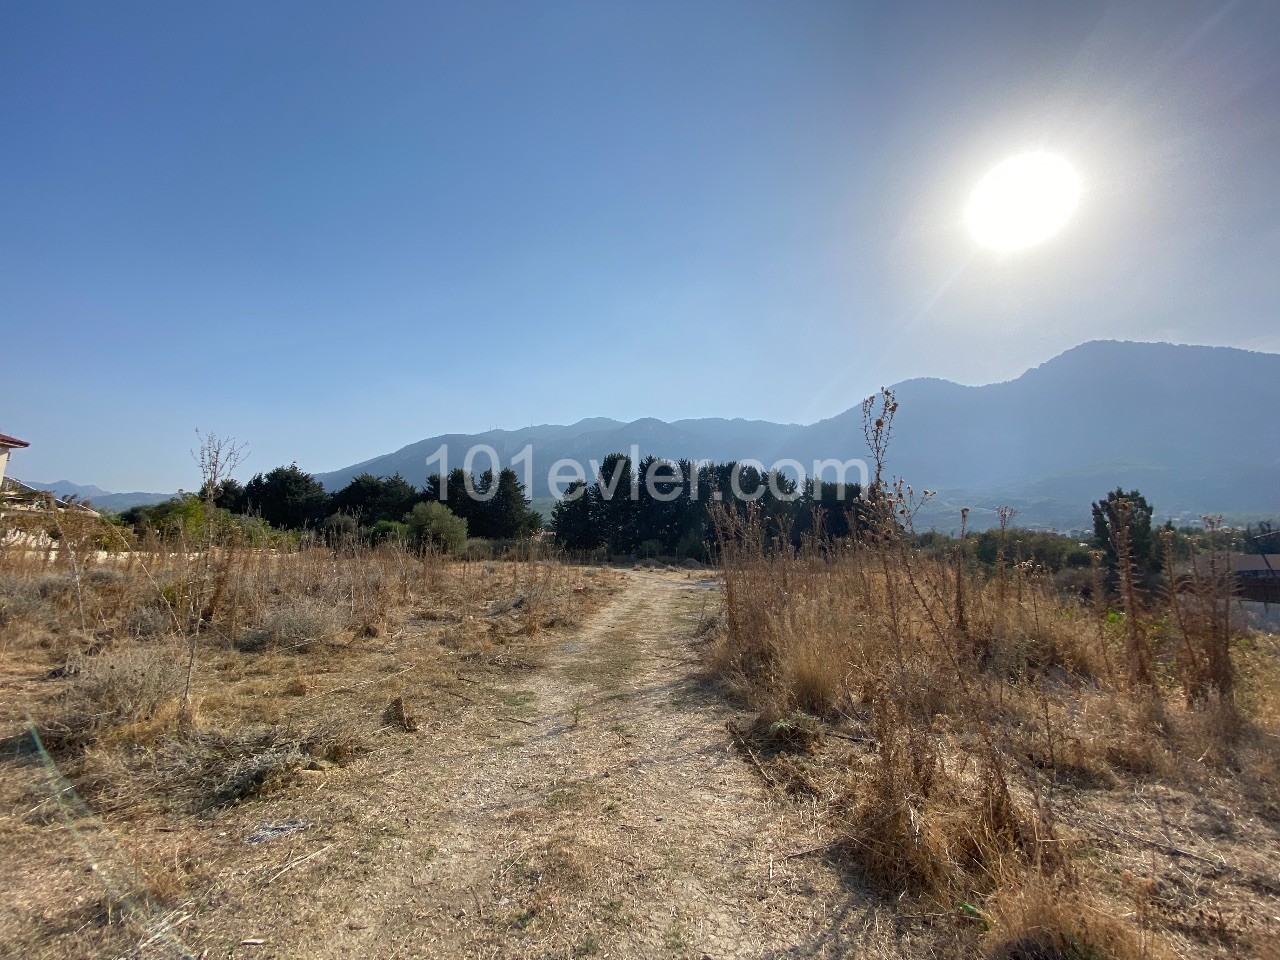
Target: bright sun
x,y
1023,201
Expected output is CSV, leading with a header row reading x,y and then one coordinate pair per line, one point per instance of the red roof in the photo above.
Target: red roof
x,y
8,441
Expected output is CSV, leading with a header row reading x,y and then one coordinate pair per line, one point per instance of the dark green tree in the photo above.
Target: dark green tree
x,y
507,512
370,498
451,490
495,507
1142,541
665,508
287,498
614,511
829,511
658,505
572,521
229,495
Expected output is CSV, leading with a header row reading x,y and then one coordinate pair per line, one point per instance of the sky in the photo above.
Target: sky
x,y
332,229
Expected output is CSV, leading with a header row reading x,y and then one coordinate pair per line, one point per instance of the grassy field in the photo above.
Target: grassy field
x,y
167,687
856,748
1026,774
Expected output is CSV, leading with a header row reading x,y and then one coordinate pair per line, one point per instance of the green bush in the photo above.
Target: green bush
x,y
479,548
434,524
390,530
341,528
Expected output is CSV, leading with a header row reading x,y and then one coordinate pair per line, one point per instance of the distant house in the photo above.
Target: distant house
x,y
1256,566
1256,575
20,502
8,443
1244,566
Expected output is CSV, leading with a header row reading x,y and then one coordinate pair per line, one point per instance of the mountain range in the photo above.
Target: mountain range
x,y
99,498
1194,428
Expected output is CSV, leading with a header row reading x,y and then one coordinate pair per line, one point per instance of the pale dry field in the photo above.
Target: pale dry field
x,y
461,781
390,757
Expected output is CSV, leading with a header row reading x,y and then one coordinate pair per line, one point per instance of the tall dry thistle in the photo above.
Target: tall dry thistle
x,y
1136,650
962,626
1217,640
1200,601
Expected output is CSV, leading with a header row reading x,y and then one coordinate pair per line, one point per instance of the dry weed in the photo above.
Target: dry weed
x,y
983,700
116,692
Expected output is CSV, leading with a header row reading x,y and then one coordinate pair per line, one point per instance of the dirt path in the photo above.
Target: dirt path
x,y
593,806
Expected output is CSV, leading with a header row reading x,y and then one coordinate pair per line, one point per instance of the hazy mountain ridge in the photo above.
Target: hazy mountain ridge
x,y
1192,426
97,497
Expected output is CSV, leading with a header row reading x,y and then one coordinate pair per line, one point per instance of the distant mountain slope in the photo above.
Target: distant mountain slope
x,y
1196,428
65,488
583,441
100,499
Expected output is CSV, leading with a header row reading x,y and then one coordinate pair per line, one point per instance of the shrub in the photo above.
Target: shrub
x,y
479,548
432,524
147,621
340,527
21,600
296,623
109,690
390,530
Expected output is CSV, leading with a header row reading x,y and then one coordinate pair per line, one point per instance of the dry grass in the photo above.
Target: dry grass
x,y
978,737
116,693
283,622
1034,917
985,736
298,658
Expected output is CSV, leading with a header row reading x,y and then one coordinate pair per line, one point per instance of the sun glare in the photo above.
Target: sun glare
x,y
1023,201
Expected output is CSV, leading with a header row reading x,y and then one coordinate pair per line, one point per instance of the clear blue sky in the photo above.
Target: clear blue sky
x,y
331,229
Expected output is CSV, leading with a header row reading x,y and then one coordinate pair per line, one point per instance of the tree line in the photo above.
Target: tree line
x,y
651,508
665,508
443,512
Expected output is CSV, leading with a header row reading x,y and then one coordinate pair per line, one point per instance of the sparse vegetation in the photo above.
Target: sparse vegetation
x,y
992,733
300,650
287,503
982,706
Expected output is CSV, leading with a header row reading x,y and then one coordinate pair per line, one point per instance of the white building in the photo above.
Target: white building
x,y
8,443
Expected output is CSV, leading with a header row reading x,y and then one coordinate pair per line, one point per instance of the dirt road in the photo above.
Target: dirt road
x,y
592,806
